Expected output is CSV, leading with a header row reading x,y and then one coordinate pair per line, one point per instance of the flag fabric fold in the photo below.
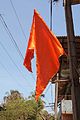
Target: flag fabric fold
x,y
48,50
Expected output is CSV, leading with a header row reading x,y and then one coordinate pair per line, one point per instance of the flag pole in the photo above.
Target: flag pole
x,y
56,84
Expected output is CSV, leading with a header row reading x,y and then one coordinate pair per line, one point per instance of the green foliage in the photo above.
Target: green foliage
x,y
17,108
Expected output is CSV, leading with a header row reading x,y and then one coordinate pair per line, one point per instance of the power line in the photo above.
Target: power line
x,y
3,66
17,18
19,24
5,69
46,92
10,56
11,59
12,39
11,36
50,85
47,88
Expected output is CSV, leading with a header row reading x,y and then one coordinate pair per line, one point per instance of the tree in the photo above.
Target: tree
x,y
13,95
17,108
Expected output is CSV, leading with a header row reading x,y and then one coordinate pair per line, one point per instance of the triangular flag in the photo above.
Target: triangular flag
x,y
48,50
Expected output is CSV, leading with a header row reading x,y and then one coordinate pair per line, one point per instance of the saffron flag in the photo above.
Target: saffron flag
x,y
48,50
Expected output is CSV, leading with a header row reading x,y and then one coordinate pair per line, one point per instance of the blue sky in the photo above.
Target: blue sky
x,y
10,77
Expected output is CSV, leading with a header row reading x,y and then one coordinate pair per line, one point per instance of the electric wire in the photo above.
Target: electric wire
x,y
11,36
18,18
20,26
50,85
11,76
12,39
47,88
12,61
5,69
46,92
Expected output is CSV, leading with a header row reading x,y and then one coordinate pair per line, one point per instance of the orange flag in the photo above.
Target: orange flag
x,y
48,50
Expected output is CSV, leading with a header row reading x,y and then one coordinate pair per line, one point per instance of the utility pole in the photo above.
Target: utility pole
x,y
74,76
56,83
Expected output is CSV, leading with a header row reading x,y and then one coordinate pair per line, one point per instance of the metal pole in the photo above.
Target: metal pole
x,y
56,84
50,14
56,95
74,76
